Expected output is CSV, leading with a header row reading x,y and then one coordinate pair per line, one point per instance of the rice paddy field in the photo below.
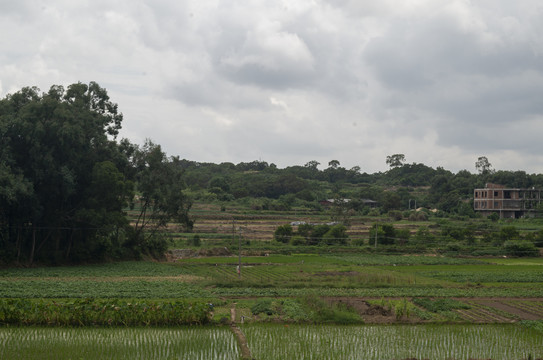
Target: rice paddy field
x,y
497,342
118,343
276,342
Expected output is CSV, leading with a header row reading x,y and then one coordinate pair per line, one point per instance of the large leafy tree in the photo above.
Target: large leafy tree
x,y
60,172
160,197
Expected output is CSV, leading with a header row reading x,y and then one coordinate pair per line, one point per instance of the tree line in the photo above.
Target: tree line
x,y
66,181
402,187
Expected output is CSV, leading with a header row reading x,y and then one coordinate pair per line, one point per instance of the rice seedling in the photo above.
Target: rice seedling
x,y
496,342
199,343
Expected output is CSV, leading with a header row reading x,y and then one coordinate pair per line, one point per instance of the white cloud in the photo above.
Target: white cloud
x,y
288,82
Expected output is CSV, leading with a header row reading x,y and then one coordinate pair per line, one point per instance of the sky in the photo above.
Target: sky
x,y
288,82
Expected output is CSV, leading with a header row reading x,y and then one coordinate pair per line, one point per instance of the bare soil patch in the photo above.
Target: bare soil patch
x,y
492,310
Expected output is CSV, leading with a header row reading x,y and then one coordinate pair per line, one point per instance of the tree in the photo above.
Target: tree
x,y
391,201
161,198
56,148
386,234
395,160
334,164
483,166
336,235
313,164
283,233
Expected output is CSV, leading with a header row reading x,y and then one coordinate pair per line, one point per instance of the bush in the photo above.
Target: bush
x,y
107,312
297,240
386,234
322,312
283,233
520,248
336,235
263,306
494,217
194,241
395,215
418,216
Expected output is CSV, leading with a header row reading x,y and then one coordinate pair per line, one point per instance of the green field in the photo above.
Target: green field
x,y
465,303
333,274
114,343
394,342
276,342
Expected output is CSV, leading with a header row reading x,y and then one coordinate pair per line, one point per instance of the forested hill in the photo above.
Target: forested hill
x,y
307,184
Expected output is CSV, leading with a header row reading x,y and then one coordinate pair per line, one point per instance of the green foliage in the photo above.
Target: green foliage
x,y
395,215
65,179
263,306
386,234
283,233
294,310
298,240
337,234
322,313
195,241
494,217
92,312
520,248
440,305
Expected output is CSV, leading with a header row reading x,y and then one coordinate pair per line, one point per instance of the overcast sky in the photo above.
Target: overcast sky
x,y
287,82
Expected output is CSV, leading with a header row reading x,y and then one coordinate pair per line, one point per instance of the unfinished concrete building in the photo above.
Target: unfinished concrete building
x,y
506,202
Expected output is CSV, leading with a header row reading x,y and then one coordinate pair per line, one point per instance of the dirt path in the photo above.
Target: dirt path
x,y
240,336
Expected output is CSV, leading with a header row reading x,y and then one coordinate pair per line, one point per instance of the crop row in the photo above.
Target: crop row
x,y
134,343
497,342
479,313
272,342
532,307
91,312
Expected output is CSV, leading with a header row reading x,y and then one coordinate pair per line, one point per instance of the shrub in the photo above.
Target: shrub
x,y
322,312
283,233
297,240
263,306
110,312
395,215
520,248
494,217
403,235
336,235
386,234
194,241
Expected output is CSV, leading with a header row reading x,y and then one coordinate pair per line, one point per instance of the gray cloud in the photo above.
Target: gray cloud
x,y
441,81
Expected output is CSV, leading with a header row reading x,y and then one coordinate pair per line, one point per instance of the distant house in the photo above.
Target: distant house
x,y
330,202
506,202
370,203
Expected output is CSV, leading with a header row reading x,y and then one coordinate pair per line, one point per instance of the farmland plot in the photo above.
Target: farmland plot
x,y
199,343
496,342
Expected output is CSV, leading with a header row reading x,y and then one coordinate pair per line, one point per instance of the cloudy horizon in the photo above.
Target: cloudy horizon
x,y
442,82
